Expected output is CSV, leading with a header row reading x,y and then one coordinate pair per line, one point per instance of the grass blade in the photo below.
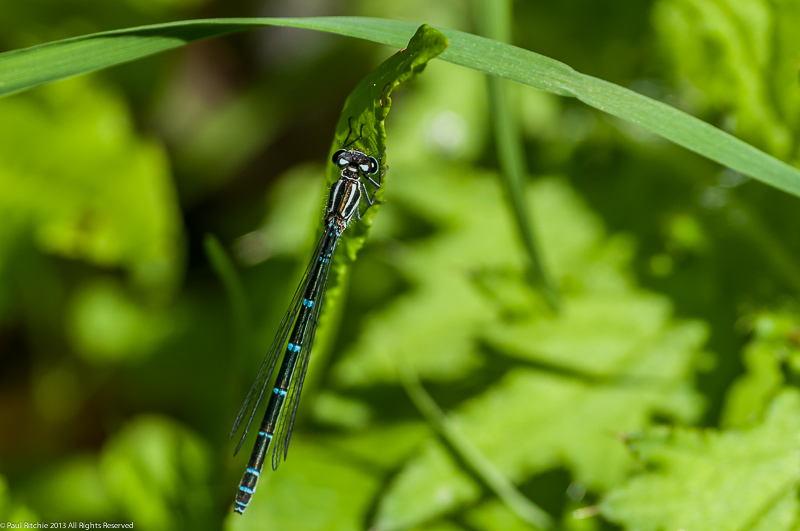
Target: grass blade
x,y
525,509
494,21
30,67
223,265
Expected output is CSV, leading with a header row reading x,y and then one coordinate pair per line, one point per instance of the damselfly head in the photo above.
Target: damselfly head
x,y
355,160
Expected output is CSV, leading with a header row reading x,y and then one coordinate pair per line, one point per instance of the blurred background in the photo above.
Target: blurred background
x,y
123,364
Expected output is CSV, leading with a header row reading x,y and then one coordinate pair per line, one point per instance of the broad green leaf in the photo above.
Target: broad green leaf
x,y
332,483
743,57
771,355
73,489
309,494
609,361
493,516
74,173
424,489
725,481
337,410
30,67
481,468
106,325
158,473
395,442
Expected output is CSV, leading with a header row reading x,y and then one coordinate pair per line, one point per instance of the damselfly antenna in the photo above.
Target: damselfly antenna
x,y
350,125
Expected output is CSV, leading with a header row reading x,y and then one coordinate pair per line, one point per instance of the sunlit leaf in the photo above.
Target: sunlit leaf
x,y
743,57
715,480
327,486
107,326
426,488
772,355
605,365
74,173
74,490
158,473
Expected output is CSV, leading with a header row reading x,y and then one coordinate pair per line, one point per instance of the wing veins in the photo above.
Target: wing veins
x,y
286,423
271,359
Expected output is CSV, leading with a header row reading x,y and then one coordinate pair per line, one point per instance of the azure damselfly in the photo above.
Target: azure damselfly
x,y
301,319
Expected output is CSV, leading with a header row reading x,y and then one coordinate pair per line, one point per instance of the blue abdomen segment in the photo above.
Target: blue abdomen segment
x,y
302,331
247,487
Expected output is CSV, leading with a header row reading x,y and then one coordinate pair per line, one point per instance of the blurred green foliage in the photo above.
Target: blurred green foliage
x,y
727,481
660,396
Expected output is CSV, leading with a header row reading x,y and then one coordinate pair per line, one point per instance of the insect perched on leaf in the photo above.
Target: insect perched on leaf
x,y
301,320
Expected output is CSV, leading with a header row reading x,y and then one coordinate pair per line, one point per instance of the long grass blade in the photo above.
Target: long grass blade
x,y
488,473
30,67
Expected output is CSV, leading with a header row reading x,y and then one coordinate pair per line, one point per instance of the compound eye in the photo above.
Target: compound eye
x,y
338,158
373,166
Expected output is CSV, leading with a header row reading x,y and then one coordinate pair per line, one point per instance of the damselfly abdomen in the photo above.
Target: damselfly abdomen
x,y
301,320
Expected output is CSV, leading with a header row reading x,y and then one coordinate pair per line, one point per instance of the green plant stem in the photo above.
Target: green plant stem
x,y
494,21
486,471
222,264
764,239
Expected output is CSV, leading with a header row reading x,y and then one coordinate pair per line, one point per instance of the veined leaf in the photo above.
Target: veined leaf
x,y
726,481
771,357
742,56
619,359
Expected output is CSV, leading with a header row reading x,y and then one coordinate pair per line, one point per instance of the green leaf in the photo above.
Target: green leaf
x,y
106,325
606,364
30,67
76,176
363,115
742,56
310,495
724,481
73,489
158,473
494,516
331,484
414,498
490,477
770,356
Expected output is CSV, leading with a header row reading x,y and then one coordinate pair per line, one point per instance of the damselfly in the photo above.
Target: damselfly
x,y
301,319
